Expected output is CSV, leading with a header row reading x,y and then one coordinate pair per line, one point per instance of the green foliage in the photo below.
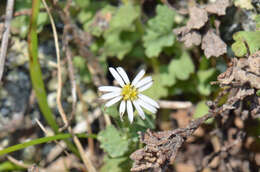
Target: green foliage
x,y
181,67
82,4
20,24
140,125
204,78
257,20
159,32
252,39
158,89
80,64
35,69
121,34
112,142
9,166
97,28
258,93
135,37
201,110
40,141
116,164
112,111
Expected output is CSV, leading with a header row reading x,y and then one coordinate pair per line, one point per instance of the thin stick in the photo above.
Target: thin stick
x,y
174,104
88,123
68,54
87,162
4,45
46,133
60,109
17,162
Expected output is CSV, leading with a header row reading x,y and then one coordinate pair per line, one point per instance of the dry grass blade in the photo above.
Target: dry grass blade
x,y
4,44
86,160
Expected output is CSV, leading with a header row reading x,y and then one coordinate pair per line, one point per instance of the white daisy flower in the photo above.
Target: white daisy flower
x,y
129,93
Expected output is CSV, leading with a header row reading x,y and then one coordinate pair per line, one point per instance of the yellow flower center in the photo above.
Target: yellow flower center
x,y
129,92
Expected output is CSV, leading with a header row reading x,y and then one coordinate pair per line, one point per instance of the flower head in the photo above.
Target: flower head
x,y
129,93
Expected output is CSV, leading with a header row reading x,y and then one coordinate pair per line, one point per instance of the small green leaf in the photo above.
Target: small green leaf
x,y
258,93
141,125
40,141
201,110
239,48
84,16
100,22
167,79
82,4
204,77
181,67
257,20
122,164
252,39
159,32
82,70
9,166
112,142
121,35
157,90
42,19
112,111
20,25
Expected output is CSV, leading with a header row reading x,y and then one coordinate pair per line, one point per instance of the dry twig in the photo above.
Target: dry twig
x,y
162,147
87,162
4,44
164,104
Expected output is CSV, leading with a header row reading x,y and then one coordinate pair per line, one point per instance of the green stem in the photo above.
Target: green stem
x,y
40,141
35,70
36,74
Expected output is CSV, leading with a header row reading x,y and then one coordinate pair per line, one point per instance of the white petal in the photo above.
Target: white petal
x,y
122,109
110,95
144,81
117,76
113,101
145,87
109,89
148,107
138,77
139,109
130,111
148,100
123,74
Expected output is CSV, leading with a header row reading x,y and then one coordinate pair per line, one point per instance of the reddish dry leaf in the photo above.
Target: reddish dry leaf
x,y
198,17
213,45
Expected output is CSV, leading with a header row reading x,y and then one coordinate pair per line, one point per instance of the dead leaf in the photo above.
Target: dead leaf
x,y
181,167
181,31
213,45
254,63
198,17
182,116
187,36
192,38
218,7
